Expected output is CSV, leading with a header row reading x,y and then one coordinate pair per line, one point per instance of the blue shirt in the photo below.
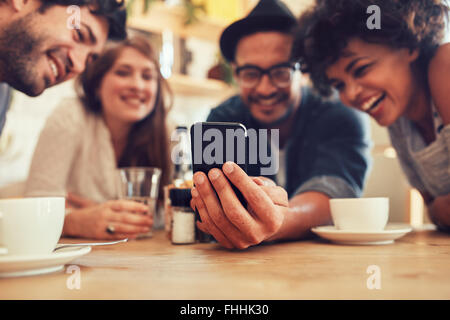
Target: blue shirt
x,y
328,150
5,96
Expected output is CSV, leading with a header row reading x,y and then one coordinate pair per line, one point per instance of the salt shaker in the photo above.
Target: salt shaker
x,y
183,217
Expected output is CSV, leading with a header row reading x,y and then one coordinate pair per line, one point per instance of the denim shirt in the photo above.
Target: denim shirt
x,y
328,150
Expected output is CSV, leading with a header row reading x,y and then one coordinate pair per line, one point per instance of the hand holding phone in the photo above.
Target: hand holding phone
x,y
224,217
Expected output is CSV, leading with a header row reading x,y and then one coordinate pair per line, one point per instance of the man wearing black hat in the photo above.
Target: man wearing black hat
x,y
324,147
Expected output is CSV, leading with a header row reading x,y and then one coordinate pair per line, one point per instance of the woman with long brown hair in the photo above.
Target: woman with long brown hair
x,y
118,120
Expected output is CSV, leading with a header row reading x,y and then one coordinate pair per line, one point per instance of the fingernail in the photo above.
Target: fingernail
x,y
228,167
194,192
213,174
199,179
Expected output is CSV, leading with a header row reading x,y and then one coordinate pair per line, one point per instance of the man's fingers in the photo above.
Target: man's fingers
x,y
211,212
236,213
227,219
206,221
260,202
278,195
203,227
263,181
252,228
228,214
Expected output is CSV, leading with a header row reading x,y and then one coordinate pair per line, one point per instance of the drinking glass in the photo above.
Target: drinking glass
x,y
141,184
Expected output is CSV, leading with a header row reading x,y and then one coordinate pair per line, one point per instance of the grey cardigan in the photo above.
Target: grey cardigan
x,y
426,166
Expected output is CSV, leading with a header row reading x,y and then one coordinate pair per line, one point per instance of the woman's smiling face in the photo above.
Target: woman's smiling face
x,y
128,90
376,79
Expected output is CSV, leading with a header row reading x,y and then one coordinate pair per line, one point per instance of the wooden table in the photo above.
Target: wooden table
x,y
416,266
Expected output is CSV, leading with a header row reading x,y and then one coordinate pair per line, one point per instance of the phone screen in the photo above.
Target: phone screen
x,y
214,143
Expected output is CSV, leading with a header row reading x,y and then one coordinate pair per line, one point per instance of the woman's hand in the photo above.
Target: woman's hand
x,y
127,218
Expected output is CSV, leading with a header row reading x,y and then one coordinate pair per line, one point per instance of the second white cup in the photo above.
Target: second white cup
x,y
360,214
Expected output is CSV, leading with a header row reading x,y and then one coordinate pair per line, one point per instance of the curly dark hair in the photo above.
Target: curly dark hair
x,y
112,10
326,28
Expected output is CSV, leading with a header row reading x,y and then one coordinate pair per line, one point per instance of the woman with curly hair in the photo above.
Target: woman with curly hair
x,y
398,74
119,120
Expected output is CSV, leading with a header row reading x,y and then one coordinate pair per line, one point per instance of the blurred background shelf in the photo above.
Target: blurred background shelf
x,y
185,85
161,17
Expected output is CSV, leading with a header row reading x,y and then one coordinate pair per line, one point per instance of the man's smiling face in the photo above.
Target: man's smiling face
x,y
39,50
267,102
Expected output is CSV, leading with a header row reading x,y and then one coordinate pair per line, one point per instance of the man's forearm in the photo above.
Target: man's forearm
x,y
306,210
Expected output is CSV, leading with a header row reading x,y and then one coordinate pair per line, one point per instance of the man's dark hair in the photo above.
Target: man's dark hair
x,y
112,10
325,30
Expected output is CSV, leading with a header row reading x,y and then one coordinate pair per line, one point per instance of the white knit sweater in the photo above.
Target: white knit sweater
x,y
74,154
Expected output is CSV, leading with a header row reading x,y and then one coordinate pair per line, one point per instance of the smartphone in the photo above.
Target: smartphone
x,y
214,143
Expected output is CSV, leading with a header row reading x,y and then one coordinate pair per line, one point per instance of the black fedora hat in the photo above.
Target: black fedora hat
x,y
268,15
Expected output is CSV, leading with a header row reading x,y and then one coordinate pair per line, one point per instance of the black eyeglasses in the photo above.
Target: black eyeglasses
x,y
280,75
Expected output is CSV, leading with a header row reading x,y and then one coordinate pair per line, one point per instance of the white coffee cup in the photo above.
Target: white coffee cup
x,y
30,225
360,214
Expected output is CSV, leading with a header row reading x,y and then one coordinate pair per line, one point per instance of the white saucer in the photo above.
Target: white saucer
x,y
28,265
387,236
